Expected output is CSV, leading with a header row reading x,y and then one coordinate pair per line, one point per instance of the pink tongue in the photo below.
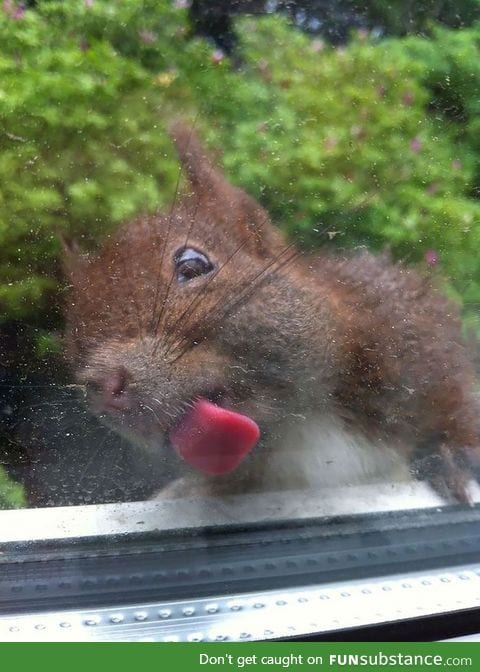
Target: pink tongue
x,y
214,440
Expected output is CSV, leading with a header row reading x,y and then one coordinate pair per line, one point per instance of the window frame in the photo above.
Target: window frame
x,y
126,573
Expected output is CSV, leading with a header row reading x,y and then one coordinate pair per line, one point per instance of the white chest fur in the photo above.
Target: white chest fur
x,y
315,468
314,456
319,452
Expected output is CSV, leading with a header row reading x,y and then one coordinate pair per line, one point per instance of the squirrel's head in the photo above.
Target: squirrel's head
x,y
184,323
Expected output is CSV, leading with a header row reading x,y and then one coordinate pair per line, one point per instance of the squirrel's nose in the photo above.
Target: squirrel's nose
x,y
112,390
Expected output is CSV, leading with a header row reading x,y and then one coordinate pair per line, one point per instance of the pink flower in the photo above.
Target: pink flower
x,y
19,13
416,145
431,257
15,12
88,3
408,98
217,56
358,132
330,142
147,36
317,45
381,91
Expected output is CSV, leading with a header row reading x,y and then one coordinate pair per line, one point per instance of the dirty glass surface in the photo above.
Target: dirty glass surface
x,y
239,271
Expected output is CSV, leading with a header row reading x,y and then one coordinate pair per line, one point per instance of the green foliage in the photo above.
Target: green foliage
x,y
77,151
399,17
12,495
360,143
375,143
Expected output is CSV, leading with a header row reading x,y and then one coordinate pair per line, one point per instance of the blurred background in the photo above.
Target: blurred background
x,y
354,123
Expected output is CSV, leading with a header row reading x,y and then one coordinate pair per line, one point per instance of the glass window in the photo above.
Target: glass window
x,y
239,288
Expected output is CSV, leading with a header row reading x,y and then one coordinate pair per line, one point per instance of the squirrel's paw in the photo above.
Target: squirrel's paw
x,y
449,470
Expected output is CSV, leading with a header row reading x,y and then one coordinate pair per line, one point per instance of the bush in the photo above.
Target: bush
x,y
398,17
12,495
376,143
374,159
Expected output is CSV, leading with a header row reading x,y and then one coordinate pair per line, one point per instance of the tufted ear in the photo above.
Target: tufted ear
x,y
203,176
232,205
72,256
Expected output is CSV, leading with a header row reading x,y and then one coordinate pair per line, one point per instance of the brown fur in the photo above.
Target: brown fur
x,y
278,332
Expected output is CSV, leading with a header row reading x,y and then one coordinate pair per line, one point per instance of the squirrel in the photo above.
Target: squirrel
x,y
204,334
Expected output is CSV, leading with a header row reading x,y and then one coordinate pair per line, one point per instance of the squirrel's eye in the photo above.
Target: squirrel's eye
x,y
190,263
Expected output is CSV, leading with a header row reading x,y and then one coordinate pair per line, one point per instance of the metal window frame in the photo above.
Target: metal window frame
x,y
175,571
105,520
263,615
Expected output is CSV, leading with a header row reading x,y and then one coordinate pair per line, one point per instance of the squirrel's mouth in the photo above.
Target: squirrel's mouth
x,y
212,438
209,434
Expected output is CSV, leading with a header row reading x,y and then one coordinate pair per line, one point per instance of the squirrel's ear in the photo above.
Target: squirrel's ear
x,y
232,204
266,239
201,173
72,255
